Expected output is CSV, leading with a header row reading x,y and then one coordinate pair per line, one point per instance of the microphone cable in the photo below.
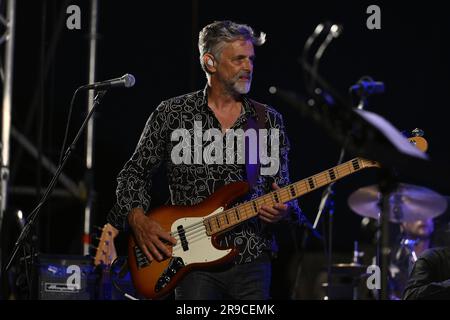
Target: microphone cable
x,y
66,133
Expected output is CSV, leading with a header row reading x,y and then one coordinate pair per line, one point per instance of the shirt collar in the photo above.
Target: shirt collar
x,y
249,108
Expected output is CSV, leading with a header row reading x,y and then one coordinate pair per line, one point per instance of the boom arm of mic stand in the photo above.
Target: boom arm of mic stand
x,y
33,215
323,203
309,42
327,87
317,57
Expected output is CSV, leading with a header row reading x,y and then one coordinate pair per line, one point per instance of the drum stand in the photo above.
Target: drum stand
x,y
387,186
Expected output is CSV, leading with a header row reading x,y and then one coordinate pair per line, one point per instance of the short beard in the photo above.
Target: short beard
x,y
234,86
242,88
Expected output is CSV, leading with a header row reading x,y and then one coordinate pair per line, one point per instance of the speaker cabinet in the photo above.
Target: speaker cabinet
x,y
66,278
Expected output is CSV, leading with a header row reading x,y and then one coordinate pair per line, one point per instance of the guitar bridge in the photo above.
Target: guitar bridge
x,y
175,264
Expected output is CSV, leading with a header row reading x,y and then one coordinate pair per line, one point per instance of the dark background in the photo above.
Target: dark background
x,y
157,43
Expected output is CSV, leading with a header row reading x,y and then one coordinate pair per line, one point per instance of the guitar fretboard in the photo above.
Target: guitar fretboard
x,y
234,216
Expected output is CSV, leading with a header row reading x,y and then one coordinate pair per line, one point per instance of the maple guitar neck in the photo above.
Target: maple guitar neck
x,y
231,217
234,216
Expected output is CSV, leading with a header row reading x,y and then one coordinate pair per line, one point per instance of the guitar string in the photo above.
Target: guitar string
x,y
350,170
345,166
201,228
221,216
320,179
306,189
244,211
196,236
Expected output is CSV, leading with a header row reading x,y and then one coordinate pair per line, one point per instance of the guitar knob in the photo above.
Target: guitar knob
x,y
171,272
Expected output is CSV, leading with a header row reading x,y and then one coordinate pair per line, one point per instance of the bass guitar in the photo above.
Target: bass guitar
x,y
197,227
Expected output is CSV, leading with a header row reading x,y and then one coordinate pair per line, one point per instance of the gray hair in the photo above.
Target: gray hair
x,y
214,36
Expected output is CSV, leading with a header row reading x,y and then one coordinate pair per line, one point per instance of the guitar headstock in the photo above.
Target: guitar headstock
x,y
418,141
106,251
416,138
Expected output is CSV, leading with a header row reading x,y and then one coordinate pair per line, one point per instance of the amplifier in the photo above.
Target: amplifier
x,y
66,278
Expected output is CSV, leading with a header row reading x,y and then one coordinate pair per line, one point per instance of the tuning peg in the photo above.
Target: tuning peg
x,y
417,132
98,228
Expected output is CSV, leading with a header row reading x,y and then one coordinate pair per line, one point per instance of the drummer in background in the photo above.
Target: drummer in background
x,y
414,240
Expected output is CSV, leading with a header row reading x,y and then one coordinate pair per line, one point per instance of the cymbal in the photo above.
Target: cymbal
x,y
407,203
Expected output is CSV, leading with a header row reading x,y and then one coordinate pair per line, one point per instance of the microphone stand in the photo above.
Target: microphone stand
x,y
387,185
318,55
363,94
307,230
333,32
33,215
326,202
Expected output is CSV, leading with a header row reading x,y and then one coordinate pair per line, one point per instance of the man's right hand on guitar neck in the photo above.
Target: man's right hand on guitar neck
x,y
148,234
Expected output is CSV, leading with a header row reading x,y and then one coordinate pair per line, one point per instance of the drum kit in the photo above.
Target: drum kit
x,y
407,203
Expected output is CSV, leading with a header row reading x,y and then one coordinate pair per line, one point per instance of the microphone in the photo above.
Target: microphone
x,y
368,87
336,30
20,219
126,81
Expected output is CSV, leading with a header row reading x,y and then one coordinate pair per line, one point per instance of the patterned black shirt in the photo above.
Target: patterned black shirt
x,y
190,184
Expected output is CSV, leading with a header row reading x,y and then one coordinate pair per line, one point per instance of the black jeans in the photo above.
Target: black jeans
x,y
249,281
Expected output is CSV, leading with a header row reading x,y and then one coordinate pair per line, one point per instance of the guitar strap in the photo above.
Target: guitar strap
x,y
252,170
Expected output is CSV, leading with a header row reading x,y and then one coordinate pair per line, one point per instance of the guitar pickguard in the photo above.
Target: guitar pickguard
x,y
195,243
